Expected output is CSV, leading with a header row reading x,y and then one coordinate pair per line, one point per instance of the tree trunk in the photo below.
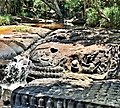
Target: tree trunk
x,y
53,4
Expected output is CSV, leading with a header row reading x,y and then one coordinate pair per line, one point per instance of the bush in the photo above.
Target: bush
x,y
113,13
5,20
73,6
92,17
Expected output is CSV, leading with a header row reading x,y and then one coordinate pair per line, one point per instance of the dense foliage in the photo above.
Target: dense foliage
x,y
113,13
5,19
73,6
92,17
104,13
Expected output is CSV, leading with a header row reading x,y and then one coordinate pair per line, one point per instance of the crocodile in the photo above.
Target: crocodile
x,y
83,72
84,91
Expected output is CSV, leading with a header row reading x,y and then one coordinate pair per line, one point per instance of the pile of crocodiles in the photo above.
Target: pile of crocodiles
x,y
65,68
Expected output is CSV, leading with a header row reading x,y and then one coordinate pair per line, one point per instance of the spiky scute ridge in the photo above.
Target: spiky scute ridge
x,y
54,91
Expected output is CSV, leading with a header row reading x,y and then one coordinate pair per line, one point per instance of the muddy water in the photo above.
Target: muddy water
x,y
8,29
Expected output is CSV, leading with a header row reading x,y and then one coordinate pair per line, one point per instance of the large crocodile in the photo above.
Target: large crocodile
x,y
56,88
71,68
